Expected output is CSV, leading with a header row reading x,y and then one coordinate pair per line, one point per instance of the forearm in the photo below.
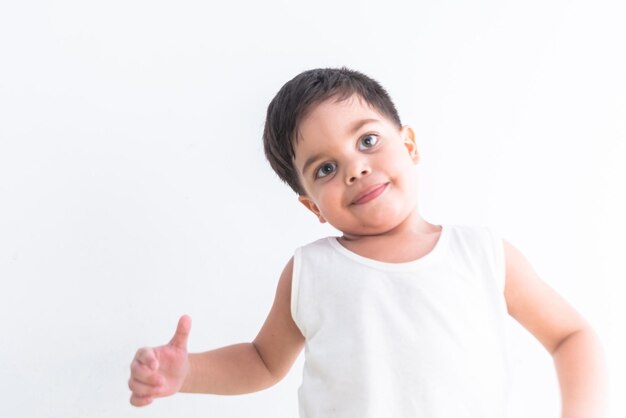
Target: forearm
x,y
581,370
230,370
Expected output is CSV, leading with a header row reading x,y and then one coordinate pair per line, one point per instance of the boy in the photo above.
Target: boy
x,y
399,317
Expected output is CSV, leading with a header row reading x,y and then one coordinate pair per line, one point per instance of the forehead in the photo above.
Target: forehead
x,y
331,121
333,116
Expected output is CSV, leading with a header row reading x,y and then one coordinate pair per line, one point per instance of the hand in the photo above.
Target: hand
x,y
160,371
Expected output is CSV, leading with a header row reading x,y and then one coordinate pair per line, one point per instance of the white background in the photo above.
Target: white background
x,y
133,185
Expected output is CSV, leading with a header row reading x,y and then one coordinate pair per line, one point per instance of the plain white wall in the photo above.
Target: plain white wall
x,y
133,185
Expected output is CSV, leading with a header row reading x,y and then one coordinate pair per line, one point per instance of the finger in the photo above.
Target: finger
x,y
144,374
140,401
141,389
147,357
182,332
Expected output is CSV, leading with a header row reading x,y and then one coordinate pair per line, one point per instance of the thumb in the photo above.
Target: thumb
x,y
179,340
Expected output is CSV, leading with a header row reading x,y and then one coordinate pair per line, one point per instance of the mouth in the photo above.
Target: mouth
x,y
370,194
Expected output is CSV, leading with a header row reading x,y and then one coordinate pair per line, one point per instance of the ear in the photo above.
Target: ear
x,y
310,205
408,137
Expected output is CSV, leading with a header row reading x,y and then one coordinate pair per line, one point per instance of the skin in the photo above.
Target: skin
x,y
386,228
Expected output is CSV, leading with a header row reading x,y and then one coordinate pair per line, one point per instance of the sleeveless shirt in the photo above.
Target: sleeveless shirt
x,y
420,339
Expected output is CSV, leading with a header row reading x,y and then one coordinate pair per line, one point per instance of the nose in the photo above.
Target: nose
x,y
357,170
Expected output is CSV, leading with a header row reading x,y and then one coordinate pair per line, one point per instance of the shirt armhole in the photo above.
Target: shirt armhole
x,y
498,261
295,286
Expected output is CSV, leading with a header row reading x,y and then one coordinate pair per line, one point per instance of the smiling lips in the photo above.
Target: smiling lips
x,y
370,194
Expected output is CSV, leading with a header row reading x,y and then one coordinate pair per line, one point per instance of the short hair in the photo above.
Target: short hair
x,y
298,96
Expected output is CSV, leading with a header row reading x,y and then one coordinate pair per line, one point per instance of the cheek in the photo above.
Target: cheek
x,y
403,161
330,197
403,173
410,187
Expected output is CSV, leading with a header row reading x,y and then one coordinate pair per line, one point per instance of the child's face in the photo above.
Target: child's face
x,y
340,159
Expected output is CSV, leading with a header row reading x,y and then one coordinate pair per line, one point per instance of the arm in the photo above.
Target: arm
x,y
234,369
575,348
250,367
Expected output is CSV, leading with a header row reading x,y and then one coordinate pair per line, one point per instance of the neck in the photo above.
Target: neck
x,y
409,241
413,226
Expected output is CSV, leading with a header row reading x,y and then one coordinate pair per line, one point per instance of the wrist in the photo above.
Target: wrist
x,y
187,384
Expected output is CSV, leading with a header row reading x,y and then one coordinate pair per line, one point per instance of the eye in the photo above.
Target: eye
x,y
368,141
325,169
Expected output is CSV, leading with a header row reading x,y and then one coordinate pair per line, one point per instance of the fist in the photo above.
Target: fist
x,y
156,372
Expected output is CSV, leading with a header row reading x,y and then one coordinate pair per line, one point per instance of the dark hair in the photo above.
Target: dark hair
x,y
298,96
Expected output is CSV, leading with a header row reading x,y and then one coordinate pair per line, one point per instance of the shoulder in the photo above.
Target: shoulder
x,y
475,239
479,246
319,242
312,250
470,231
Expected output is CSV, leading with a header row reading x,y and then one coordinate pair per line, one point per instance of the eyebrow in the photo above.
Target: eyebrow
x,y
355,127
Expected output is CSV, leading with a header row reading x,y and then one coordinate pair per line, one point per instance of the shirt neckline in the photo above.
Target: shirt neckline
x,y
434,254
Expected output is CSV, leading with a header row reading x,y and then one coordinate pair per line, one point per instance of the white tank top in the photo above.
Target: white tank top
x,y
421,339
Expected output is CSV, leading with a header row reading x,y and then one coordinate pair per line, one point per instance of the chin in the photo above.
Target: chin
x,y
375,228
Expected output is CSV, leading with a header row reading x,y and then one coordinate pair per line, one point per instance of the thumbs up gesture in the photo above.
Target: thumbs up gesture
x,y
156,372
